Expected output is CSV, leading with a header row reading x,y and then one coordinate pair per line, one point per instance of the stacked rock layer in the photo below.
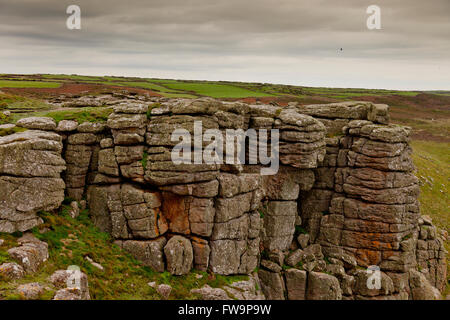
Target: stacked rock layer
x,y
342,198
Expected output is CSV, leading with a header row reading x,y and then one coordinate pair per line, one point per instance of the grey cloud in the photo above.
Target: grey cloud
x,y
179,36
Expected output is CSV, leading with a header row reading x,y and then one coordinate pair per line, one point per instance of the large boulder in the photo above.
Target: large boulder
x,y
67,126
272,285
30,167
208,293
72,285
362,279
296,282
322,286
421,289
30,291
30,154
30,254
150,252
38,123
11,271
179,255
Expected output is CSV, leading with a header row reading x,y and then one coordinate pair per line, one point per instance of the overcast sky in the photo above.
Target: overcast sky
x,y
278,41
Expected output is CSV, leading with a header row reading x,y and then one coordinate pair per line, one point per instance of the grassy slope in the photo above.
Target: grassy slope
x,y
18,103
26,107
71,240
432,160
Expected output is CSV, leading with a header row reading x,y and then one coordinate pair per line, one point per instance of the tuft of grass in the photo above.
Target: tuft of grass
x,y
17,103
9,242
144,160
300,230
264,255
4,118
150,108
8,131
261,214
90,114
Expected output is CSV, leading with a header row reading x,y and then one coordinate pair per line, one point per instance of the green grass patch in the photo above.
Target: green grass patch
x,y
150,108
72,77
28,84
432,161
215,90
300,230
438,127
163,81
147,85
179,95
71,240
144,160
4,118
18,103
90,114
8,131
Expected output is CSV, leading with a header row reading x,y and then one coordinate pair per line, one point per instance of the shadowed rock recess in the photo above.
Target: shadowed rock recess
x,y
345,196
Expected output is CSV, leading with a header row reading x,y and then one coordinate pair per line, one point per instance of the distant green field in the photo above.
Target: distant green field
x,y
28,84
70,77
216,90
147,85
222,89
163,81
352,92
170,93
179,95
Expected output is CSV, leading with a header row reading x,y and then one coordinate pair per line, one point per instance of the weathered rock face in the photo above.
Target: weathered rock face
x,y
11,271
150,252
30,291
343,198
30,167
71,285
214,206
240,290
179,255
37,123
30,254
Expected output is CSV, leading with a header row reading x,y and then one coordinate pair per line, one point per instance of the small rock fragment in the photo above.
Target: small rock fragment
x,y
30,291
164,290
